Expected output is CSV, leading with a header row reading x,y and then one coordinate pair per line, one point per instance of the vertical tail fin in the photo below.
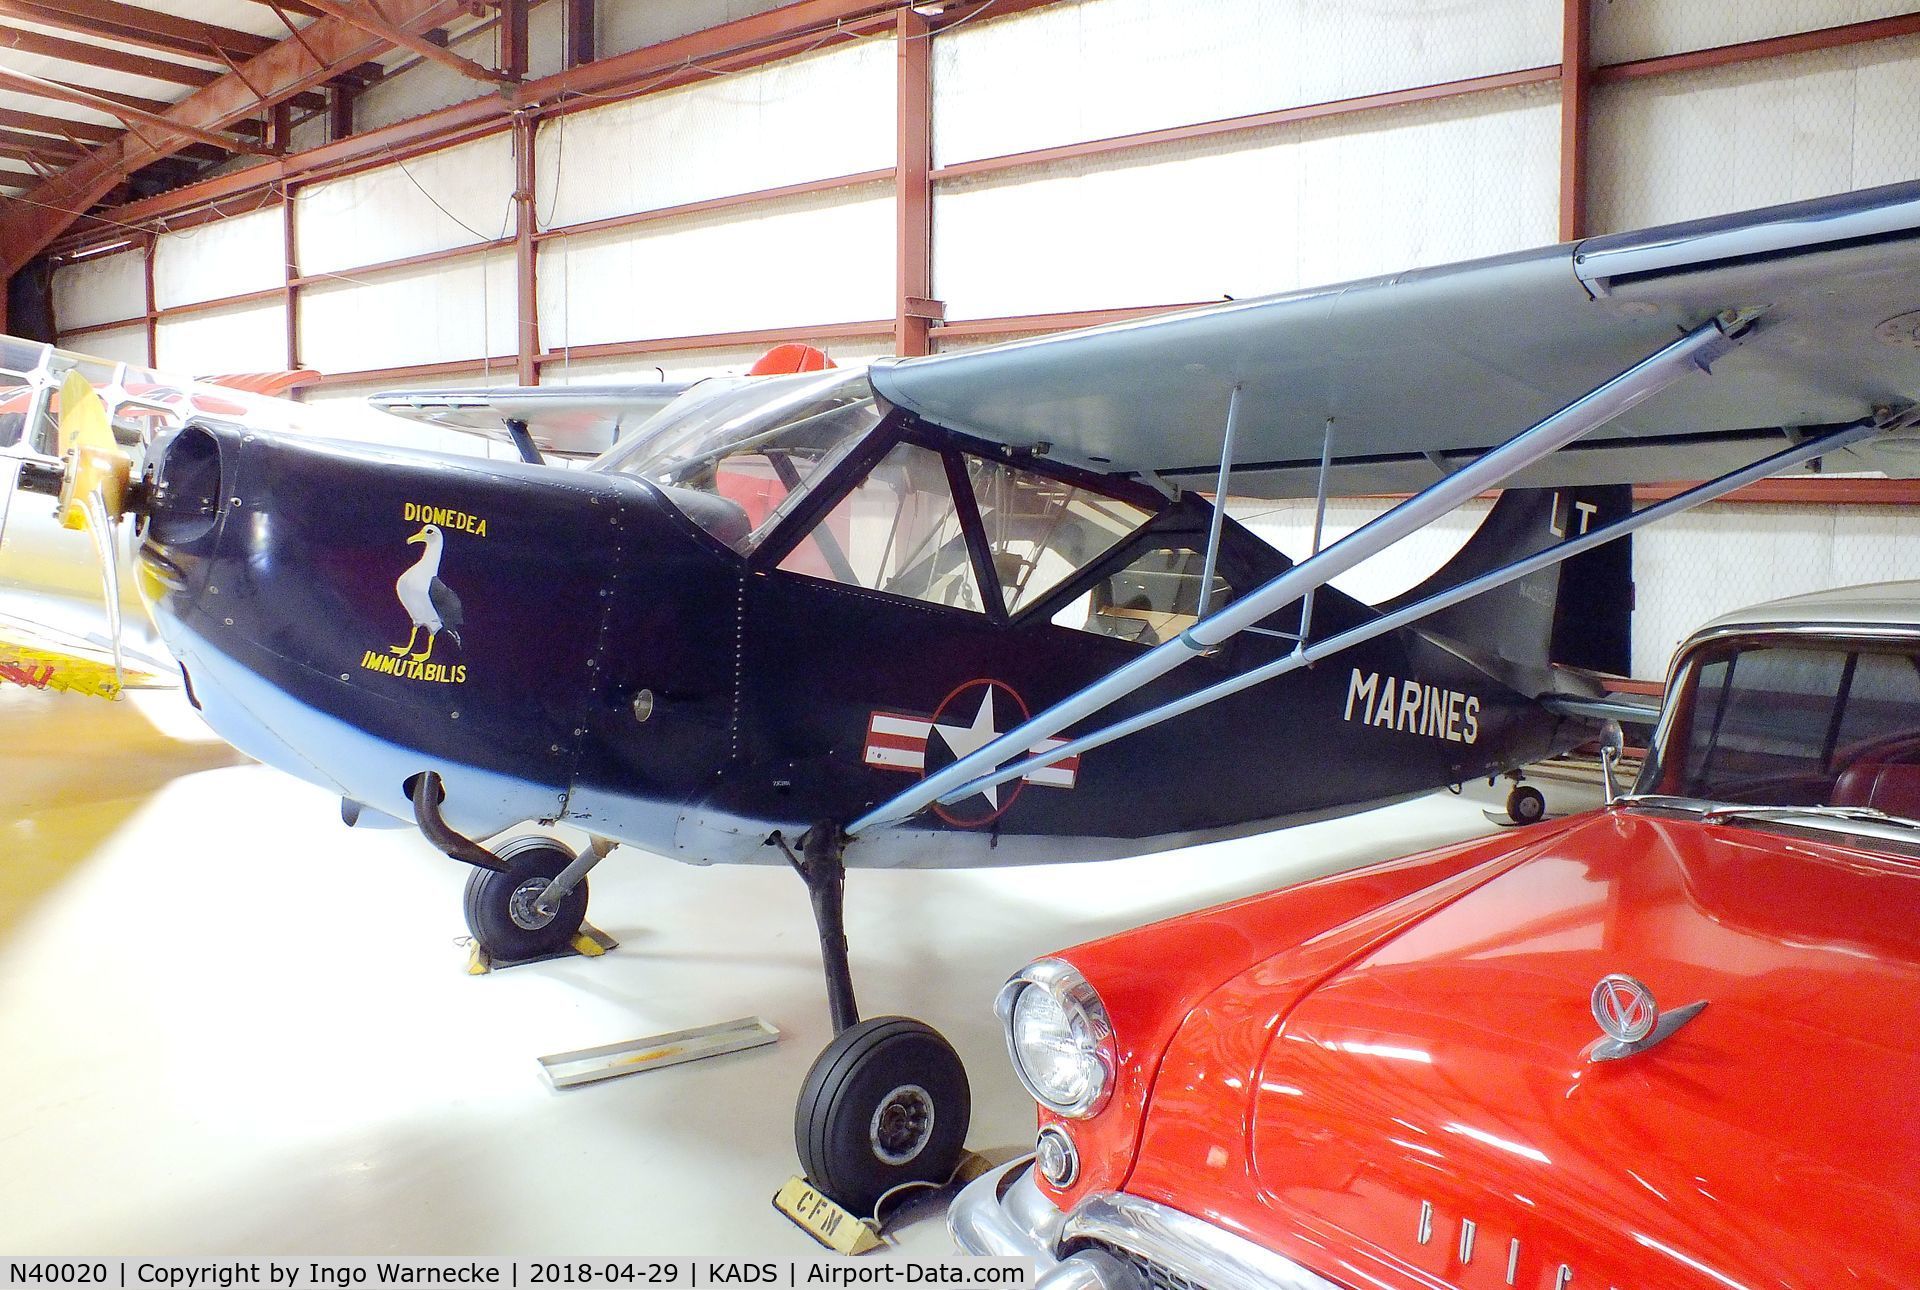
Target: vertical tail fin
x,y
1577,613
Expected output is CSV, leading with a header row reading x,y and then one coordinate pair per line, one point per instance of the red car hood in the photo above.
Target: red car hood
x,y
1774,1140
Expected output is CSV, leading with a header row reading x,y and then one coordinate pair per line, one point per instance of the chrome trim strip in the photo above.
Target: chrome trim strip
x,y
1004,1213
1424,1232
1202,1253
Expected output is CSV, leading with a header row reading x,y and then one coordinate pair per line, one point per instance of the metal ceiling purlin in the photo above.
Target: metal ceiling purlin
x,y
100,101
147,28
283,71
102,56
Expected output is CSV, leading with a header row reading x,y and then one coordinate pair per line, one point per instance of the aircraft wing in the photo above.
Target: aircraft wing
x,y
40,655
1424,371
565,420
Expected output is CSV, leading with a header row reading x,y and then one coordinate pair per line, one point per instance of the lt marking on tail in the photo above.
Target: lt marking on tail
x,y
1413,707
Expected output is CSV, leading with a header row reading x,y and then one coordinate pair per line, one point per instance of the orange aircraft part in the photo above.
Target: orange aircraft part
x,y
787,359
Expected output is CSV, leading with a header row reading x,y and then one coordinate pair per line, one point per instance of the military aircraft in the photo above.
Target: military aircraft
x,y
977,609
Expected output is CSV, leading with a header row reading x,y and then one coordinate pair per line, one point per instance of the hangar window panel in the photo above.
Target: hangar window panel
x,y
213,342
1244,215
223,257
100,289
897,532
1151,601
458,310
455,197
1041,531
116,345
422,88
1067,73
1625,30
632,26
819,259
1733,138
815,117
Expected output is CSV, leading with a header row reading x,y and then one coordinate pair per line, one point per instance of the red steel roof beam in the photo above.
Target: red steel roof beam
x,y
376,23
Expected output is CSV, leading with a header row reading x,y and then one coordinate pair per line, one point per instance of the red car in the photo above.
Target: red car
x,y
1671,1043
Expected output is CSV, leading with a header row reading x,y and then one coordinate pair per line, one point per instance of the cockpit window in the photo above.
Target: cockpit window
x,y
1041,531
1798,726
898,532
736,456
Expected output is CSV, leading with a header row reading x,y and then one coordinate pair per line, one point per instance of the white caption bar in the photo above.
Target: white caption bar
x,y
512,1274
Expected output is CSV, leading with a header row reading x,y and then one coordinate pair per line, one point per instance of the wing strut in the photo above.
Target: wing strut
x,y
1697,349
1786,459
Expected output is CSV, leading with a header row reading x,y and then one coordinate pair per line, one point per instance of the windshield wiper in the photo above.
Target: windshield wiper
x,y
1865,814
1711,812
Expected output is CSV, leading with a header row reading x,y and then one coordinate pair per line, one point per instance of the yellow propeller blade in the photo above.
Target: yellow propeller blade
x,y
83,417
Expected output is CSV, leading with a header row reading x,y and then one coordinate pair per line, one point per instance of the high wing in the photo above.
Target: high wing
x,y
1426,370
565,420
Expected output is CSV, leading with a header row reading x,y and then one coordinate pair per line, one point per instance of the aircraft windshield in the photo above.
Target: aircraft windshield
x,y
737,457
1825,725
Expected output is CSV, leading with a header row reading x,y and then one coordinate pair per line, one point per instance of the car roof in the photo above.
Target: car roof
x,y
1879,604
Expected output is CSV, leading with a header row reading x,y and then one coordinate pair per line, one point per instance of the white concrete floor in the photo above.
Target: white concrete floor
x,y
232,1025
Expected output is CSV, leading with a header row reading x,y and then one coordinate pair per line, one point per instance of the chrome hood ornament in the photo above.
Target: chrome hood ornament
x,y
1631,1019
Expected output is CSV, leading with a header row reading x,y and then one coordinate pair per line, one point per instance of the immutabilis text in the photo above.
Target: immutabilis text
x,y
1412,707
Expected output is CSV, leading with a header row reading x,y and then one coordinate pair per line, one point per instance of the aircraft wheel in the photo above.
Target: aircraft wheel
x,y
1526,805
500,907
886,1103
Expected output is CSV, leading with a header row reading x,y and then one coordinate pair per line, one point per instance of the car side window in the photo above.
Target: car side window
x,y
1151,600
897,532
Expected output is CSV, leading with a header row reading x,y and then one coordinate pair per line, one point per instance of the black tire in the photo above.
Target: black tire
x,y
886,1103
1526,805
498,910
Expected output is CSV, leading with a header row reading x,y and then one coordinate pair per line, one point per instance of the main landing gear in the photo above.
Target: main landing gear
x,y
525,901
509,910
886,1104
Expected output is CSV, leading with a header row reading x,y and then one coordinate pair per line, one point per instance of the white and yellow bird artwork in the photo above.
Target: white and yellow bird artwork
x,y
428,601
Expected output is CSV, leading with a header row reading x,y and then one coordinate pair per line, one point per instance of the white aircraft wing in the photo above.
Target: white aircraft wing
x,y
1426,370
564,420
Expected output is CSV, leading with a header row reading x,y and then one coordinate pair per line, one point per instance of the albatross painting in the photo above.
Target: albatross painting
x,y
429,601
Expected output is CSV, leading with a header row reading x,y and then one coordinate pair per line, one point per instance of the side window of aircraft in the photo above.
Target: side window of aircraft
x,y
898,531
736,461
1042,531
1152,600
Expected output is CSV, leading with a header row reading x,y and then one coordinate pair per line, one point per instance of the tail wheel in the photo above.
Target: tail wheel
x,y
886,1103
503,908
1526,805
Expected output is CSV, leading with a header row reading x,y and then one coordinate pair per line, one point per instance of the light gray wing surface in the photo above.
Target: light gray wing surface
x,y
1423,370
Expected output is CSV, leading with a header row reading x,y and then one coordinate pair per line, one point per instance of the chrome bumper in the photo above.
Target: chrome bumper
x,y
1112,1241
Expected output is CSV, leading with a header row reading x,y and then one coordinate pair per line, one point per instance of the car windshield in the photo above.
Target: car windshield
x,y
735,456
1810,730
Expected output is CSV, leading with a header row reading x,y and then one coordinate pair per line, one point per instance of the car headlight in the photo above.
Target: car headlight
x,y
1059,1037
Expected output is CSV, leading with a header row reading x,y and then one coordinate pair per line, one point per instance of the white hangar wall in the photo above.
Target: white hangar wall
x,y
1088,157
